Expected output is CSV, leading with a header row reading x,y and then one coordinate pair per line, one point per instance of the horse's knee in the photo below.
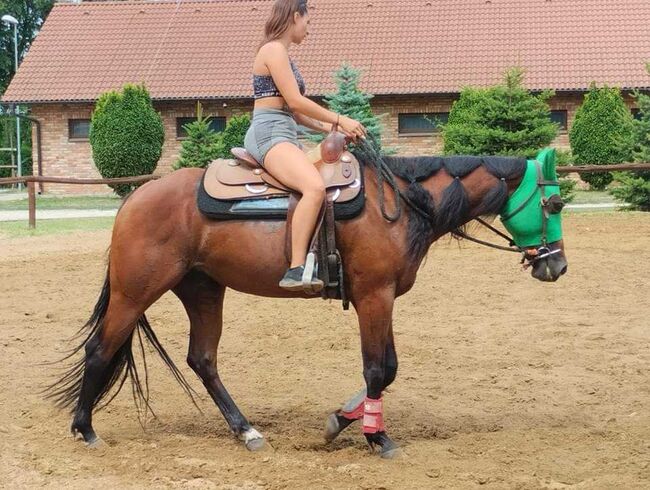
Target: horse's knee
x,y
201,364
374,376
390,372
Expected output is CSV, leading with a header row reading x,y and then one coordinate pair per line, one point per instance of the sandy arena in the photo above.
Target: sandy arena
x,y
504,382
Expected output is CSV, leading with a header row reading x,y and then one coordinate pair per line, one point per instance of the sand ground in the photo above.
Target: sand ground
x,y
504,382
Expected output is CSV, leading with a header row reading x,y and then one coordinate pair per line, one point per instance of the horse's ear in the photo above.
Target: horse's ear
x,y
547,158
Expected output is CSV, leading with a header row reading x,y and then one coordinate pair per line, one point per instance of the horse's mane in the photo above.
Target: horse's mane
x,y
452,211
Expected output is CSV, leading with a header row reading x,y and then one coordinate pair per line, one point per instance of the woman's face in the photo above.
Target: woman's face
x,y
301,23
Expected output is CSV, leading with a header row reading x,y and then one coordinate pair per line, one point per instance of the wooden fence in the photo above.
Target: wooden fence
x,y
31,180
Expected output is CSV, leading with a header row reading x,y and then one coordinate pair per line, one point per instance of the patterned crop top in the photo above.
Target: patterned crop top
x,y
264,86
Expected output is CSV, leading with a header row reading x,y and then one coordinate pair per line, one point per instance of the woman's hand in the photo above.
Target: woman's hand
x,y
352,128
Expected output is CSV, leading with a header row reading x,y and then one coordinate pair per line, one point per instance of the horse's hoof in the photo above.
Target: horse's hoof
x,y
253,440
393,453
332,428
96,443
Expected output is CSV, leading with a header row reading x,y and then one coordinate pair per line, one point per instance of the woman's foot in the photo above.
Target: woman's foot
x,y
292,280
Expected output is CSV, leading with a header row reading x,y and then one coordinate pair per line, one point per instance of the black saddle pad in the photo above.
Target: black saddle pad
x,y
267,208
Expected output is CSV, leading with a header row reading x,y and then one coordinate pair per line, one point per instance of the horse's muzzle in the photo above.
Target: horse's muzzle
x,y
549,269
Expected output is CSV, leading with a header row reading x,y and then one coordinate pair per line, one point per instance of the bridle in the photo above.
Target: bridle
x,y
530,255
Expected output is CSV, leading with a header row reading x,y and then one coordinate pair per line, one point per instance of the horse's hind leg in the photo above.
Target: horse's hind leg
x,y
202,298
106,353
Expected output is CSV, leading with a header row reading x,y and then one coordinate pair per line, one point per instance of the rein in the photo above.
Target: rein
x,y
385,174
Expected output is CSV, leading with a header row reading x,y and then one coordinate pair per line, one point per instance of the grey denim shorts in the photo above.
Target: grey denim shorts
x,y
268,128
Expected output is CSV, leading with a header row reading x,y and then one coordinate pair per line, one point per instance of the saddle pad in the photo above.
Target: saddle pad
x,y
270,207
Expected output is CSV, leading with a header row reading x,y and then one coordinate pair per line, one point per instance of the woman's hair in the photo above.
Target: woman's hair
x,y
281,18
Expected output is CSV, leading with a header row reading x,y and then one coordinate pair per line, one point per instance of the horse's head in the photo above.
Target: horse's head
x,y
532,215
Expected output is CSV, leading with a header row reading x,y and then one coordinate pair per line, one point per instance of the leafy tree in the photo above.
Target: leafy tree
x,y
126,135
202,144
502,120
602,132
30,15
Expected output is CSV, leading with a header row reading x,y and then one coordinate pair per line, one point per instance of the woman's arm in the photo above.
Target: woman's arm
x,y
310,123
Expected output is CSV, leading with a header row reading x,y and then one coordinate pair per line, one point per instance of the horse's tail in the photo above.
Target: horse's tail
x,y
65,392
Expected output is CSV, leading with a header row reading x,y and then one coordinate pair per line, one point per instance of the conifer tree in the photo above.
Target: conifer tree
x,y
350,101
202,144
502,120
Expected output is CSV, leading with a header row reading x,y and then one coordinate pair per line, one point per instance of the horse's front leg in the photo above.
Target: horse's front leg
x,y
375,311
352,409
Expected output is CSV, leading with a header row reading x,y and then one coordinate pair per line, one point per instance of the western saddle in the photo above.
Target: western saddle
x,y
243,178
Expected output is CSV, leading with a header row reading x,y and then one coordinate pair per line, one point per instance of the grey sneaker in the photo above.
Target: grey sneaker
x,y
292,280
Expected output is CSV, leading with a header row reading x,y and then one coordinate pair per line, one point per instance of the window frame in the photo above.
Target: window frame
x,y
435,130
566,119
71,126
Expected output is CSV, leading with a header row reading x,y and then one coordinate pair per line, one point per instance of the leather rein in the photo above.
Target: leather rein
x,y
530,254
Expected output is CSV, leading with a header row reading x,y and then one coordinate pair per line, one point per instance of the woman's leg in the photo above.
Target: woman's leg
x,y
289,164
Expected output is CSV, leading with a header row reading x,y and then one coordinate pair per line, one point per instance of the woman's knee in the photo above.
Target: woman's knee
x,y
315,189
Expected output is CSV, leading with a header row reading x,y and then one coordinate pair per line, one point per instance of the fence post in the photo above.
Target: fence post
x,y
32,203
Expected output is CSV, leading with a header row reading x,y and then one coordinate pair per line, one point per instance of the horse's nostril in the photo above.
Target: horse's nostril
x,y
563,271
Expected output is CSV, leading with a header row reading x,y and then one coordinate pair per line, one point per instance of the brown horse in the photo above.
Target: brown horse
x,y
161,242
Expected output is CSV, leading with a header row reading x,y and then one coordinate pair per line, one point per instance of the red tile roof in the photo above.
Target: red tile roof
x,y
205,49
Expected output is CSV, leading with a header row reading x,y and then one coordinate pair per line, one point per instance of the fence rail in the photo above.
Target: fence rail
x,y
30,180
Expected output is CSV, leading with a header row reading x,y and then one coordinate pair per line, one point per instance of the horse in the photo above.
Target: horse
x,y
160,242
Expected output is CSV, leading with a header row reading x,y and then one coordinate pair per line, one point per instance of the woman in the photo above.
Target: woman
x,y
273,135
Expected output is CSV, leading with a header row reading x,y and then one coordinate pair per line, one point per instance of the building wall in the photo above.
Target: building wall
x,y
65,157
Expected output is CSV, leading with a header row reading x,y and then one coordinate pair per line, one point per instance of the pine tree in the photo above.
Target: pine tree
x,y
350,101
233,135
202,145
634,187
502,120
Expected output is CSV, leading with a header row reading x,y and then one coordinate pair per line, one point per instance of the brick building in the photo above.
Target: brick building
x,y
415,56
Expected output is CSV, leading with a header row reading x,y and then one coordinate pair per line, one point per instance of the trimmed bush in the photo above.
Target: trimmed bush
x,y
126,135
602,133
502,120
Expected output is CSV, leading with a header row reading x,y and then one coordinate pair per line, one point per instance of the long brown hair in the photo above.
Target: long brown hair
x,y
281,18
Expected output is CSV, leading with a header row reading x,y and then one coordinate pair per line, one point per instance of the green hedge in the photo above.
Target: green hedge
x,y
126,135
602,133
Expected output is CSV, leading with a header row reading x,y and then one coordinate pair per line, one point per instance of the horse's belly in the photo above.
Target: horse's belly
x,y
248,256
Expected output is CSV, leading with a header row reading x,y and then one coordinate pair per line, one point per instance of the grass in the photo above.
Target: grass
x,y
15,229
57,202
592,197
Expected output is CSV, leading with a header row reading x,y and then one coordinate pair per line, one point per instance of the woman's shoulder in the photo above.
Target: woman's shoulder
x,y
273,48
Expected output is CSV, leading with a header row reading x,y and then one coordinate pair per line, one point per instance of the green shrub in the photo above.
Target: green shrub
x,y
634,188
126,135
502,120
202,144
602,133
233,135
567,189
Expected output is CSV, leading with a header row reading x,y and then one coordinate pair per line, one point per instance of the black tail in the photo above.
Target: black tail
x,y
65,392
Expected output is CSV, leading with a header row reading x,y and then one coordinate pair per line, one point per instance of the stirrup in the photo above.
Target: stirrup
x,y
311,269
